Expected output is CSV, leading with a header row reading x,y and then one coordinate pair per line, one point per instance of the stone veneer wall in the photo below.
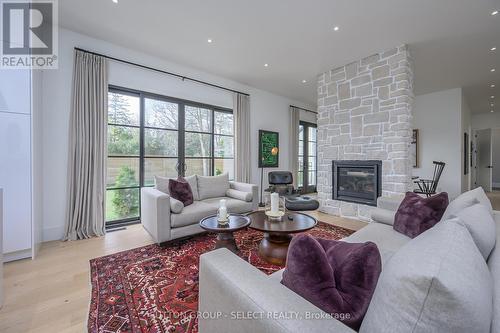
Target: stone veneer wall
x,y
365,113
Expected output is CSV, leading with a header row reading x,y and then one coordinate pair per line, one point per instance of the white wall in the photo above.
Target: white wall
x,y
438,118
268,111
495,146
486,120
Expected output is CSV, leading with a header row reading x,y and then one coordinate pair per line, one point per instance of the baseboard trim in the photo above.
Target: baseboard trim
x,y
17,255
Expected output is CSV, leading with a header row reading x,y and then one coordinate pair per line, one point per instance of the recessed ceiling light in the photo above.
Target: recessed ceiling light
x,y
493,48
266,65
492,96
493,13
492,70
304,81
209,40
336,28
492,86
115,1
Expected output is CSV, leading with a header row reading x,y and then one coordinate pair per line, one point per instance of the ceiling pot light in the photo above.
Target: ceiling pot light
x,y
492,96
493,48
266,65
336,28
304,81
209,40
493,13
115,1
492,86
492,70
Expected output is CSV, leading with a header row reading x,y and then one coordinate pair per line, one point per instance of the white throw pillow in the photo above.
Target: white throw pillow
x,y
161,184
193,183
437,282
213,186
481,226
465,200
240,195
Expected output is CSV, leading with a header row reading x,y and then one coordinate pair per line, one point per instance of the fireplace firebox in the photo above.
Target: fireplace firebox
x,y
357,181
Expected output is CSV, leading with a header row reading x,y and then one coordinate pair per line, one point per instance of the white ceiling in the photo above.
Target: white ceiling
x,y
449,39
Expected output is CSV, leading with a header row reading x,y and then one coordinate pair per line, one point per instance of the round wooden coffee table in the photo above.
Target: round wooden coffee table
x,y
278,234
224,233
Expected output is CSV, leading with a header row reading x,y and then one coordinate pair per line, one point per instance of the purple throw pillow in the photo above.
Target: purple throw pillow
x,y
417,214
338,277
181,190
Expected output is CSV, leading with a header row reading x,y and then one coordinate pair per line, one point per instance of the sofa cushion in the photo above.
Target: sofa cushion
x,y
213,186
437,282
176,206
494,266
387,239
234,206
465,200
192,214
193,182
338,277
481,226
181,190
417,214
240,195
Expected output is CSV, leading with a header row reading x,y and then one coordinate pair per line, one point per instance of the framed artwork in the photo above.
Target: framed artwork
x,y
269,149
414,148
466,154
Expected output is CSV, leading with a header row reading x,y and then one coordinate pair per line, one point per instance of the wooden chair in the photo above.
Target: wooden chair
x,y
429,186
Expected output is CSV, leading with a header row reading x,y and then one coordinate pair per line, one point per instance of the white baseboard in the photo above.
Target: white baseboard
x,y
18,255
52,234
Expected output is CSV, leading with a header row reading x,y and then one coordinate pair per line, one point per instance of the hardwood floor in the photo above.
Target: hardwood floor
x,y
494,197
52,293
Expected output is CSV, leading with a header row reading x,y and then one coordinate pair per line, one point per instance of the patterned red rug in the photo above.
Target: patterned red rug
x,y
155,289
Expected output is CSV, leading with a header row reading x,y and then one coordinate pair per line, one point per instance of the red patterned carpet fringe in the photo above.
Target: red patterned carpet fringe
x,y
155,289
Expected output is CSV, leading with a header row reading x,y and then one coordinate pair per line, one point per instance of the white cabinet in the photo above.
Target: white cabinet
x,y
15,179
19,133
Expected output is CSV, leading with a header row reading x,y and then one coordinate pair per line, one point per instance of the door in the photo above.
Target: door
x,y
307,172
484,157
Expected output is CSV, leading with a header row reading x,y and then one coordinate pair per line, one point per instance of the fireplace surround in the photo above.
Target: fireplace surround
x,y
357,181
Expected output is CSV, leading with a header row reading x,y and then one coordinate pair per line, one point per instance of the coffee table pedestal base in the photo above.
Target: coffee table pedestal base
x,y
226,239
274,247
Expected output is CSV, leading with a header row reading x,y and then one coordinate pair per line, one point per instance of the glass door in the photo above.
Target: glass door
x,y
308,169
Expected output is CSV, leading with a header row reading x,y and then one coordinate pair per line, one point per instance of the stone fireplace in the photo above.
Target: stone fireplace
x,y
364,114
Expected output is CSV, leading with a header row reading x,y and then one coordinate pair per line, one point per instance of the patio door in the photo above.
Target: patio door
x,y
307,174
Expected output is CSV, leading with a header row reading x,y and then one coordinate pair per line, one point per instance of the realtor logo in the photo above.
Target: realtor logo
x,y
29,34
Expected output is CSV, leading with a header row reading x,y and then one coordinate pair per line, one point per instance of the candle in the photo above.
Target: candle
x,y
275,198
222,210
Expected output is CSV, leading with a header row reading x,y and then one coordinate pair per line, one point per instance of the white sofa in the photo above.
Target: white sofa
x,y
238,297
164,222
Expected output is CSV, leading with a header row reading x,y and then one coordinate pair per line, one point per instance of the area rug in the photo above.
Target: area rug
x,y
155,289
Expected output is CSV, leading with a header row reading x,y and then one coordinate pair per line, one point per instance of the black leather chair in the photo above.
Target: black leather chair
x,y
282,182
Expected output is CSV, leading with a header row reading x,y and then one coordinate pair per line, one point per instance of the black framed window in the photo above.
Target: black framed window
x,y
308,169
151,135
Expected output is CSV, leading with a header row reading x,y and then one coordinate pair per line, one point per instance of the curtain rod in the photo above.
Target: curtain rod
x,y
298,107
182,77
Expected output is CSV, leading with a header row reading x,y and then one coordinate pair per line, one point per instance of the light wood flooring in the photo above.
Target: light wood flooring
x,y
52,292
494,197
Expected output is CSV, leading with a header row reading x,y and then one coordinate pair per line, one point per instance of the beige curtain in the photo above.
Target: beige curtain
x,y
242,163
87,148
294,143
